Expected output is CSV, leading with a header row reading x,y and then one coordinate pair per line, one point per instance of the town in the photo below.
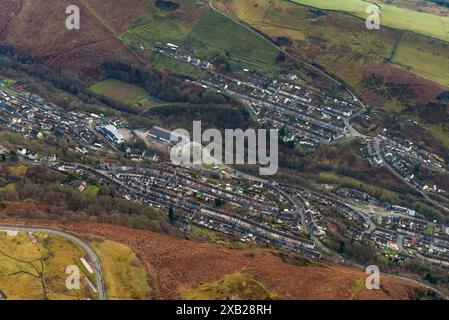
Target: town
x,y
254,211
310,117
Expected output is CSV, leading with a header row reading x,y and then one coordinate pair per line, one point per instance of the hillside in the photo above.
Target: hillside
x,y
411,69
339,41
38,28
189,268
119,29
391,15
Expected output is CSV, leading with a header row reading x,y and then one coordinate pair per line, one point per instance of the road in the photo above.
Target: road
x,y
377,148
88,249
352,132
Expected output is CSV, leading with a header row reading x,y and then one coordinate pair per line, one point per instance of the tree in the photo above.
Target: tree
x,y
171,214
219,202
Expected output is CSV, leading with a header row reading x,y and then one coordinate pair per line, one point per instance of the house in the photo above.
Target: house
x,y
392,245
32,237
80,185
196,61
172,46
206,65
186,58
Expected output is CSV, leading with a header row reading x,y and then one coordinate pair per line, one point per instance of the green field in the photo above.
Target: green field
x,y
120,91
425,57
6,84
92,190
391,16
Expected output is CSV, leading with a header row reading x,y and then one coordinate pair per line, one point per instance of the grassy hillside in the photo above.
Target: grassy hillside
x,y
214,32
424,56
340,42
391,16
124,272
175,66
37,28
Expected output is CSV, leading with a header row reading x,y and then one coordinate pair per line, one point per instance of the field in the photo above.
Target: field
x,y
92,190
424,57
213,33
338,42
37,271
120,91
391,16
341,43
125,274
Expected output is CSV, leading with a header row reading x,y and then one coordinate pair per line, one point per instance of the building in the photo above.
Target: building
x,y
196,61
111,132
32,237
206,65
165,135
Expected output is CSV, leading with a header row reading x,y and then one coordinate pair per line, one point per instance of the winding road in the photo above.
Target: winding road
x,y
87,248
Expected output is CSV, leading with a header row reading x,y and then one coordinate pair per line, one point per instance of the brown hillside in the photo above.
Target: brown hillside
x,y
37,27
175,265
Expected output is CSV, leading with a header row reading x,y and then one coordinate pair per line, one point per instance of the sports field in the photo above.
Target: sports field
x,y
391,16
120,91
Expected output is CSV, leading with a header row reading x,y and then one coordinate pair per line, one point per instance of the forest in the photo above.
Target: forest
x,y
39,192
